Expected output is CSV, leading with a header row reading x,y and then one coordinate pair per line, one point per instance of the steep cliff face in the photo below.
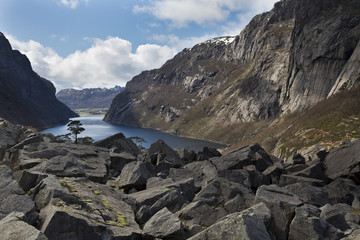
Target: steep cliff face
x,y
25,97
88,97
285,60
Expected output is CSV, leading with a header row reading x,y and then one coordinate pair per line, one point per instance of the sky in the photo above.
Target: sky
x,y
102,43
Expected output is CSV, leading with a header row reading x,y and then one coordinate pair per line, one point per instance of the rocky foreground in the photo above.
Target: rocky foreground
x,y
52,190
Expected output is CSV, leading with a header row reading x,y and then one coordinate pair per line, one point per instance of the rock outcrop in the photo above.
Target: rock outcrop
x,y
285,60
25,97
88,97
53,190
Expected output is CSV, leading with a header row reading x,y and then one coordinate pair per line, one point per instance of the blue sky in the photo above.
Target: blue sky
x,y
103,43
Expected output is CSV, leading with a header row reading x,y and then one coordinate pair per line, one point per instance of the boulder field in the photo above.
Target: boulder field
x,y
114,190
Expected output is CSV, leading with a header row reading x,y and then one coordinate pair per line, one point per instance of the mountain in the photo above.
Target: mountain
x,y
284,61
25,97
89,97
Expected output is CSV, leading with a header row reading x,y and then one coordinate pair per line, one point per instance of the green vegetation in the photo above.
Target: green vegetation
x,y
91,111
329,123
75,127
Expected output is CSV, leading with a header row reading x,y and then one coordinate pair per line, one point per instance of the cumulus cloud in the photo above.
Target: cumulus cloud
x,y
73,4
203,12
106,63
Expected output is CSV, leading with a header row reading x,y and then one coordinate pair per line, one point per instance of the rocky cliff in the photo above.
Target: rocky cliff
x,y
285,60
88,97
25,97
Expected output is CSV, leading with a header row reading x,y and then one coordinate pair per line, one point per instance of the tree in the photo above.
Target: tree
x,y
75,127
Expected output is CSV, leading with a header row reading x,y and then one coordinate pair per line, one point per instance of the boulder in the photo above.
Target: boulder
x,y
15,227
342,191
164,225
243,226
121,143
335,215
297,159
135,175
250,155
160,147
312,195
76,208
172,196
315,170
219,191
202,172
119,160
344,162
186,155
287,179
307,224
13,198
282,204
274,172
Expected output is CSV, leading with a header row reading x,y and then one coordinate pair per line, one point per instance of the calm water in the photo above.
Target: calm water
x,y
98,129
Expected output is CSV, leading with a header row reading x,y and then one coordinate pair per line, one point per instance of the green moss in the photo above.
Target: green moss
x,y
86,200
121,221
106,203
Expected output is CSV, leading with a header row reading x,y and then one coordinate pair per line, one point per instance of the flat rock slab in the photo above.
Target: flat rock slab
x,y
75,208
62,160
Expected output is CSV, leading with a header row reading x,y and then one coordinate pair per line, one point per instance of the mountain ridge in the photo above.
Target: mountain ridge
x,y
88,97
25,97
285,60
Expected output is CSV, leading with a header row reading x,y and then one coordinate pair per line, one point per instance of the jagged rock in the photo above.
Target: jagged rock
x,y
307,224
76,208
241,225
297,159
287,179
60,159
119,160
342,191
250,155
220,191
172,196
120,143
187,155
316,196
208,153
163,165
160,147
14,227
315,170
135,175
344,162
164,225
13,198
202,172
334,215
158,181
26,98
282,204
274,172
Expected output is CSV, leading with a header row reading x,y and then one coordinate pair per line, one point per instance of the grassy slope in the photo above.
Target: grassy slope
x,y
328,123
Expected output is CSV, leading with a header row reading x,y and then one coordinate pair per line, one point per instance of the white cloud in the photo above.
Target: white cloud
x,y
203,12
73,4
106,63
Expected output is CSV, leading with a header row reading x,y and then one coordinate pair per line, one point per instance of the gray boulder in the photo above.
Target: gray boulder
x,y
76,208
120,143
282,204
119,160
312,195
15,227
250,155
307,224
335,215
344,161
164,225
13,198
135,175
236,226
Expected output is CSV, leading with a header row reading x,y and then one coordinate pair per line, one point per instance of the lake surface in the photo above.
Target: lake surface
x,y
98,129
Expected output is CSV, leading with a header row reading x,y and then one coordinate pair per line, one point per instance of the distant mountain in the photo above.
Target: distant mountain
x,y
89,97
285,61
25,97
